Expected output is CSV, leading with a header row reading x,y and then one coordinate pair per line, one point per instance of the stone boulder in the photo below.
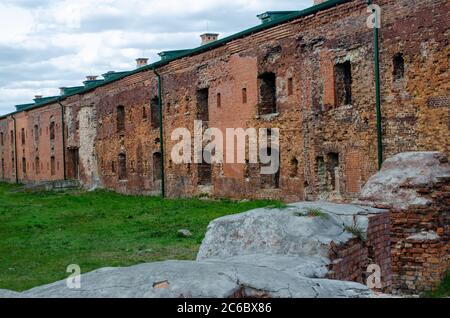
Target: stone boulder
x,y
402,178
300,230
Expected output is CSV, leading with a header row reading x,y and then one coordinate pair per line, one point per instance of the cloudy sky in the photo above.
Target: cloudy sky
x,y
46,44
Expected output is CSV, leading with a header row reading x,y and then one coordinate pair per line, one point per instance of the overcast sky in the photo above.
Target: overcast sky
x,y
46,44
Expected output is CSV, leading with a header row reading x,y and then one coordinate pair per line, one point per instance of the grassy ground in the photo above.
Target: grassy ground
x,y
42,233
443,291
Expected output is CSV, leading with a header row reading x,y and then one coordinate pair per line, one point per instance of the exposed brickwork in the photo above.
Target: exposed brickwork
x,y
420,265
351,260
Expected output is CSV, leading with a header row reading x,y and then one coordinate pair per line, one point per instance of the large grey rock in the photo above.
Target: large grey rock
x,y
287,232
173,279
396,185
9,294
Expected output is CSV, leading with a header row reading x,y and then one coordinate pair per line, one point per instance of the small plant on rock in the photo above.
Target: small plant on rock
x,y
356,231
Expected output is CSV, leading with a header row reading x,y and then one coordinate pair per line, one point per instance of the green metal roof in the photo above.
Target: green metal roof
x,y
112,75
167,55
23,106
270,16
276,20
72,90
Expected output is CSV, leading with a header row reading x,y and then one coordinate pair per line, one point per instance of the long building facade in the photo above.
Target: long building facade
x,y
313,74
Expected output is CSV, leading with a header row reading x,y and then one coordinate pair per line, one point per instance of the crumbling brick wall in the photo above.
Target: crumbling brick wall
x,y
421,241
415,187
350,261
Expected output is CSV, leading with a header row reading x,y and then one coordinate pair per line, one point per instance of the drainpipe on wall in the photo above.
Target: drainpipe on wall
x,y
376,60
161,132
63,128
15,150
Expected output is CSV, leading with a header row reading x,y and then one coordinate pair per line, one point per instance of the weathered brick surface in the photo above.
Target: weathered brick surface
x,y
350,261
420,265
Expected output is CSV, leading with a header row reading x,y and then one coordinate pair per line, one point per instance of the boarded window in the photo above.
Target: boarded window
x,y
271,181
343,83
24,166
267,94
37,165
203,104
290,85
399,66
157,163
122,167
333,165
52,130
52,166
156,118
244,95
120,119
22,132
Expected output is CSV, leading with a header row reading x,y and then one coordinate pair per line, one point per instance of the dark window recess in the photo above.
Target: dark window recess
x,y
22,134
267,94
293,173
24,166
290,85
204,171
36,133
399,66
120,118
157,162
113,167
144,113
219,100
1,139
52,130
343,83
244,96
271,181
203,104
37,165
3,168
333,164
12,137
122,167
52,166
156,118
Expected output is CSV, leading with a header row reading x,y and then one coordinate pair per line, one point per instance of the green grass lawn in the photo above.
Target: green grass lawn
x,y
42,233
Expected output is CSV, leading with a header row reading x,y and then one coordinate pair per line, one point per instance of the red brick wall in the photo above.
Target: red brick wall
x,y
350,261
420,265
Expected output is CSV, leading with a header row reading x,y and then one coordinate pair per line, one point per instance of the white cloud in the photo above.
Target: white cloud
x,y
45,44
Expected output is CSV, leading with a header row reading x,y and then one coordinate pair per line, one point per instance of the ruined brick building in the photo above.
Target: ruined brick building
x,y
310,73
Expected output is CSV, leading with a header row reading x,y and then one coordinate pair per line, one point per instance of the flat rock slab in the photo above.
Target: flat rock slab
x,y
175,279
